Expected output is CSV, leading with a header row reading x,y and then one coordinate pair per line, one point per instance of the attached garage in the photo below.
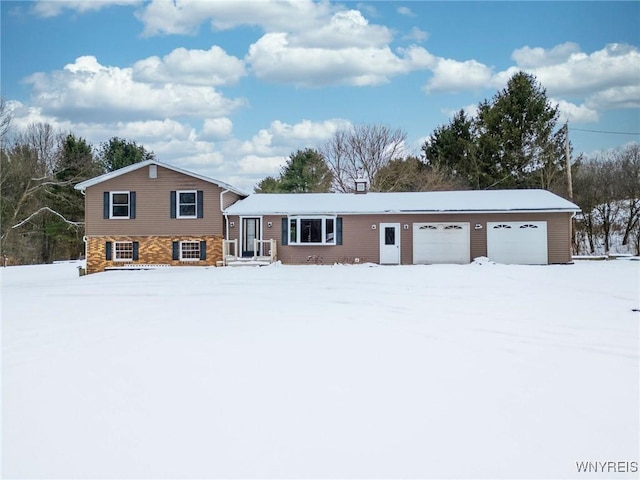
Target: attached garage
x,y
523,243
446,242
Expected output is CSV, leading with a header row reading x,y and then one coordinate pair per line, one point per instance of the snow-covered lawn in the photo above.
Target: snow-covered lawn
x,y
473,371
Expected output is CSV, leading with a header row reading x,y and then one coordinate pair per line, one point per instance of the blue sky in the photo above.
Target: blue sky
x,y
230,89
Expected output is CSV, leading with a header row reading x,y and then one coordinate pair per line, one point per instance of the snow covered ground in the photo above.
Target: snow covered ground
x,y
472,371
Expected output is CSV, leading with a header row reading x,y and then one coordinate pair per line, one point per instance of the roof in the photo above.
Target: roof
x,y
401,202
124,170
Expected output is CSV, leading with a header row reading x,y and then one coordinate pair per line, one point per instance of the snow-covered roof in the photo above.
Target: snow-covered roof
x,y
121,171
400,202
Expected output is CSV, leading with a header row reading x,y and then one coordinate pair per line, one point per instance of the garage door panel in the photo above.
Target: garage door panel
x,y
517,242
441,243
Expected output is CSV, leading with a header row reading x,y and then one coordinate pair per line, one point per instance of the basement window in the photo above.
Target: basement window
x,y
122,251
189,251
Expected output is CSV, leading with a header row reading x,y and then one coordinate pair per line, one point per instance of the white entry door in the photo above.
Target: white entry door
x,y
390,243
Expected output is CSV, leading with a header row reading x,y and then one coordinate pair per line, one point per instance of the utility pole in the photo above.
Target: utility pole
x,y
567,158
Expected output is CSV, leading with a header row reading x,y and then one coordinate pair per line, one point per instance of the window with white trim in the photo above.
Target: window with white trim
x,y
187,201
122,251
120,204
312,230
189,250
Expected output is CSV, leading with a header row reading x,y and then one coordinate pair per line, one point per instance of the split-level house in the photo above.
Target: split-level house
x,y
153,214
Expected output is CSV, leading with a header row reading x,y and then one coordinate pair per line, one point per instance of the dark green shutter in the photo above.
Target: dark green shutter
x,y
132,204
203,250
172,201
107,250
175,251
339,231
136,250
200,203
105,205
285,231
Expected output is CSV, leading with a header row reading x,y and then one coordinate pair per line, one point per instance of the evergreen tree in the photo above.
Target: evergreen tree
x,y
513,142
518,134
305,172
118,153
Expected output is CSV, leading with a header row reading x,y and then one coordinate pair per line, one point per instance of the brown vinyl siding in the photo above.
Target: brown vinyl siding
x,y
153,250
362,242
153,205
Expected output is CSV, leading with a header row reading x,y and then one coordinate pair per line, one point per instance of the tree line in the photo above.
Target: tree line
x,y
514,140
41,214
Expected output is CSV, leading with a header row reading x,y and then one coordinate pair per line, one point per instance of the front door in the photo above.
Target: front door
x,y
390,243
250,232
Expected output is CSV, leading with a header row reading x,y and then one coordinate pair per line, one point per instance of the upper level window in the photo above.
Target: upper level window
x,y
187,202
312,230
119,205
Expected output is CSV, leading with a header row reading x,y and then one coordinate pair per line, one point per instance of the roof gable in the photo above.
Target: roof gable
x,y
130,168
401,202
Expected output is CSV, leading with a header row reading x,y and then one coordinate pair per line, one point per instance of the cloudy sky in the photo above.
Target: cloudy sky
x,y
230,89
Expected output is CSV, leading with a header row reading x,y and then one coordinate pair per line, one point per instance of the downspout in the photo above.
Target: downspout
x,y
226,219
84,237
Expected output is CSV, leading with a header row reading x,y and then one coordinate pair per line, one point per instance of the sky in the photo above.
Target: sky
x,y
230,89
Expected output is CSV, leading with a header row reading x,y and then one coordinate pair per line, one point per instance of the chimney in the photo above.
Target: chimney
x,y
361,185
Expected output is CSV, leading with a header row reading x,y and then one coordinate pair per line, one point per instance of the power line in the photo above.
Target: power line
x,y
602,131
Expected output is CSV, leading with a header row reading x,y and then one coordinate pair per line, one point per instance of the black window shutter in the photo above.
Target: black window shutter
x,y
339,231
285,231
200,203
136,250
203,250
107,250
132,204
172,197
105,205
175,251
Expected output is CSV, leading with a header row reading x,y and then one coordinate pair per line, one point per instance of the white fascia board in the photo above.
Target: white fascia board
x,y
82,186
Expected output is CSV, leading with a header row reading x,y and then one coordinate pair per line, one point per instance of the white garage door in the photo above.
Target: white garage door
x,y
441,243
523,243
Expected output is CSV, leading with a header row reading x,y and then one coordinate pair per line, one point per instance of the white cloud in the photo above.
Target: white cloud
x,y
190,67
90,91
344,29
264,166
185,17
406,11
575,113
50,8
416,35
272,58
614,66
528,57
453,76
217,128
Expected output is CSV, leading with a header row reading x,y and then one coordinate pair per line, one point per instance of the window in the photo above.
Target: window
x,y
187,204
389,236
120,205
312,230
189,251
123,251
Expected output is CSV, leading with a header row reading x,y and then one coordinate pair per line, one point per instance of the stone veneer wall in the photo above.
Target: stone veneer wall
x,y
153,250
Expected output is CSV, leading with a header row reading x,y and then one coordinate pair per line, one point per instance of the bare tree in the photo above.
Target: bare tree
x,y
361,152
